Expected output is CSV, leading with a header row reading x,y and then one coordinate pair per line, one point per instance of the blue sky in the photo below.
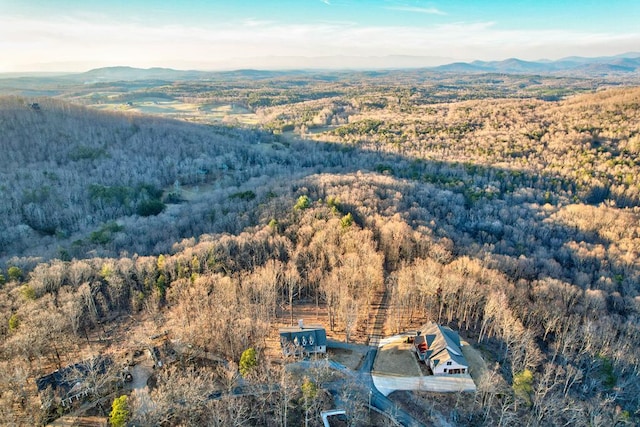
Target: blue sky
x,y
75,35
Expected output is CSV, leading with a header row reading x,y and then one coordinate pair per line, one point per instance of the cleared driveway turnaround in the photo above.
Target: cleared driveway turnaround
x,y
449,383
362,375
387,380
378,400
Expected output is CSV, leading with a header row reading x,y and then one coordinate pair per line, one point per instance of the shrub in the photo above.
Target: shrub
x,y
105,234
14,322
15,274
347,220
302,203
248,361
150,207
243,195
523,385
28,292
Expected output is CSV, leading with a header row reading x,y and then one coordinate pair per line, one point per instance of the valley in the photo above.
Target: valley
x,y
208,212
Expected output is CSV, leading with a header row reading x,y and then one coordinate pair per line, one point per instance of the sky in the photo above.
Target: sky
x,y
78,35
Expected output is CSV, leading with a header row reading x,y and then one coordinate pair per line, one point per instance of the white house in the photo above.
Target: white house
x,y
440,347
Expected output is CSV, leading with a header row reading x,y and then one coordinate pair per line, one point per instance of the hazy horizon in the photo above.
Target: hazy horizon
x,y
336,63
72,35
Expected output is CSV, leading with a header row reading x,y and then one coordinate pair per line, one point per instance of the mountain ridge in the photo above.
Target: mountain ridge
x,y
628,63
625,64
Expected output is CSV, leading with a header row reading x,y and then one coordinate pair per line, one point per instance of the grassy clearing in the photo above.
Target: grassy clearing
x,y
396,358
349,358
477,365
226,113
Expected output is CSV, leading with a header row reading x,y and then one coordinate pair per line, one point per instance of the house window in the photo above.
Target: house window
x,y
445,370
448,363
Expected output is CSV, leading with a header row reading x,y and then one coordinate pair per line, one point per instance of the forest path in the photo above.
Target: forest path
x,y
378,315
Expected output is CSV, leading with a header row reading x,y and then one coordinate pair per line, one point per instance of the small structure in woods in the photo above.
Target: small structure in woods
x,y
439,346
334,418
303,339
74,382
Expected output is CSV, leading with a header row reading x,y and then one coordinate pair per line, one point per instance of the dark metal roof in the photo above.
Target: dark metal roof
x,y
307,337
62,378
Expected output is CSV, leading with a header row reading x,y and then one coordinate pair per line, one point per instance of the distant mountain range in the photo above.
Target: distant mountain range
x,y
110,74
621,66
625,64
113,74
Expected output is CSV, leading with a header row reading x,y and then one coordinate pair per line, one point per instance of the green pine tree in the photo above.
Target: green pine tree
x,y
248,361
119,412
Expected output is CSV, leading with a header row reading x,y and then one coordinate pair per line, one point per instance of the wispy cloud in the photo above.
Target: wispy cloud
x,y
252,22
327,2
412,9
90,41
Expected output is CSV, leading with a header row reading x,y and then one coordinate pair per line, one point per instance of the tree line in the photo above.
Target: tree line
x,y
541,275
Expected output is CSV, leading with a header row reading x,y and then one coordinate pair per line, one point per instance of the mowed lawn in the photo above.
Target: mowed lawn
x,y
396,358
477,365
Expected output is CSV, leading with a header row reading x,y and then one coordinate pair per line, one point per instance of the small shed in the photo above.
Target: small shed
x,y
303,339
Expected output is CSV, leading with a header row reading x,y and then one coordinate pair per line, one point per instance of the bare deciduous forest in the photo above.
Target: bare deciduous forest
x,y
507,209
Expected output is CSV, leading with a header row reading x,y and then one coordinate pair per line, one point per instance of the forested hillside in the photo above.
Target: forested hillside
x,y
68,173
515,221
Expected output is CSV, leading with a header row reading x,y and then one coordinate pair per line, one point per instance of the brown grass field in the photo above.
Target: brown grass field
x,y
396,358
